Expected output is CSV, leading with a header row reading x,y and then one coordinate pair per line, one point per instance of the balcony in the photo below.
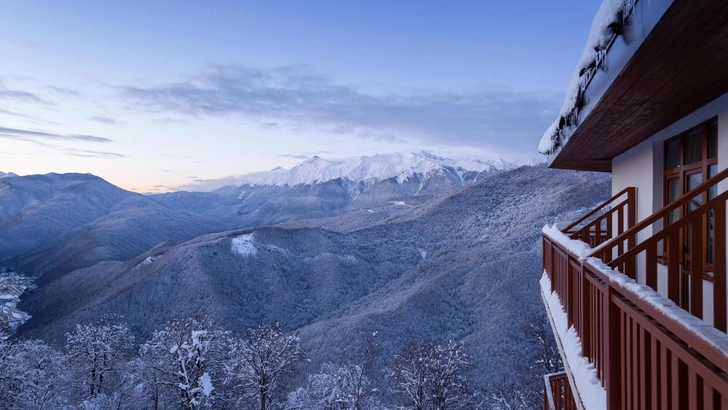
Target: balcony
x,y
557,392
639,309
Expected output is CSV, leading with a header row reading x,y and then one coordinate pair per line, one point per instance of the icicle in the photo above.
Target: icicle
x,y
628,8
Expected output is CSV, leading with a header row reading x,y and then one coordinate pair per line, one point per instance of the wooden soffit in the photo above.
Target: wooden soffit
x,y
681,66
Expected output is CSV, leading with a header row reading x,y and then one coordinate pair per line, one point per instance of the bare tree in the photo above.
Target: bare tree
x,y
97,353
32,375
409,375
260,361
447,385
187,359
431,376
335,388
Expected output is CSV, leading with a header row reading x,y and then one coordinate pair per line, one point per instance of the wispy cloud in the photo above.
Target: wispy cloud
x,y
94,154
20,95
104,120
298,97
63,90
41,136
294,156
200,184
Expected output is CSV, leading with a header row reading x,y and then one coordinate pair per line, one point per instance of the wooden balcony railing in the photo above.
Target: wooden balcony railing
x,y
645,356
597,226
557,392
695,243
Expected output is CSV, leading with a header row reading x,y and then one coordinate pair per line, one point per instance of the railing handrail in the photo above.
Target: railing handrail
x,y
675,327
629,191
675,226
659,215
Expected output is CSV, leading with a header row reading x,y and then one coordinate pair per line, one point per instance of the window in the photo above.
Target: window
x,y
690,159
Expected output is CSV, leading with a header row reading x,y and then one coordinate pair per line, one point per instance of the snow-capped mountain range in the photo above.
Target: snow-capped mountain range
x,y
7,174
371,169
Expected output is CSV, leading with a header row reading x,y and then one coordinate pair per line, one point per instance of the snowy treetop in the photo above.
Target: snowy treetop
x,y
605,27
369,169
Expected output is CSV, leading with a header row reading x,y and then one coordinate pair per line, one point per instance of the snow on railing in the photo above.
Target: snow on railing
x,y
646,351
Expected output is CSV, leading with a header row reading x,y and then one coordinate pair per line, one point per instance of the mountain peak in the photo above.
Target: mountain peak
x,y
371,169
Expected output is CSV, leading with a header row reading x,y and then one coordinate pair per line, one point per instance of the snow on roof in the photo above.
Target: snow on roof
x,y
605,27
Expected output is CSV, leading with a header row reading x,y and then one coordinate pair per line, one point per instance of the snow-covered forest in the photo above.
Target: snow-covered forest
x,y
385,307
195,364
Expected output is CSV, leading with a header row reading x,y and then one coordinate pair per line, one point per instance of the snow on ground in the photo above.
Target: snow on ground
x,y
327,255
590,390
12,285
244,245
423,253
399,203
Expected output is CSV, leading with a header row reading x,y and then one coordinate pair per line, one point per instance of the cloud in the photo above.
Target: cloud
x,y
300,98
10,94
40,136
301,156
199,184
63,90
94,154
104,120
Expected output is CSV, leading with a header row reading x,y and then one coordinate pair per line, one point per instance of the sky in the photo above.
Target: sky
x,y
155,96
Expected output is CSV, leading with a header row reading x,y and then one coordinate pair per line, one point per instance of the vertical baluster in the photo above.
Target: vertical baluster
x,y
673,268
665,377
674,387
651,268
708,396
692,389
645,371
636,376
696,268
719,278
607,254
628,360
611,348
620,228
655,371
586,325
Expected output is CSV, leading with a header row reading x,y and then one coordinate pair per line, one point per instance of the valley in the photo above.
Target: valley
x,y
452,266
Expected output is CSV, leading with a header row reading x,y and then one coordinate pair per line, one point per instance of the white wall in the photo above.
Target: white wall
x,y
642,167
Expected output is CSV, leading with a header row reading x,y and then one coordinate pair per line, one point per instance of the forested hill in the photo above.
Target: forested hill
x,y
463,267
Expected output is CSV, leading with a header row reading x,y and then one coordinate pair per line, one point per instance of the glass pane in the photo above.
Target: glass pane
x,y
673,193
693,147
672,154
693,181
713,140
712,191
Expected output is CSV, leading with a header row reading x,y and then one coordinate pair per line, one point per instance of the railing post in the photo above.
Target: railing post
x,y
719,284
586,312
612,351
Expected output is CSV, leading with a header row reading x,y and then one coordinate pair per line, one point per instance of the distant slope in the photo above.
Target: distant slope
x,y
35,209
53,224
463,266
